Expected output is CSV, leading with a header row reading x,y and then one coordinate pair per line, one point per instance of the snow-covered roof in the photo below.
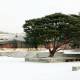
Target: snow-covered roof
x,y
10,37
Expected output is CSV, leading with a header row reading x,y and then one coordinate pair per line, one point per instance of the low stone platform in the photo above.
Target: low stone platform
x,y
46,60
53,59
75,68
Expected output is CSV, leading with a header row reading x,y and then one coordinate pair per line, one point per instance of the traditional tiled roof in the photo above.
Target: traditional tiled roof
x,y
4,38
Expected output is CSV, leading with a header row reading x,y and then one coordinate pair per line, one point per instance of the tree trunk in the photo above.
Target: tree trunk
x,y
52,52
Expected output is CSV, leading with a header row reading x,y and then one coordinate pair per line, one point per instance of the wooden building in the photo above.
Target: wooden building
x,y
12,41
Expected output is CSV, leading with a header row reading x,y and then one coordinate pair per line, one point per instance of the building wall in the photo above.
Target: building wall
x,y
66,46
19,44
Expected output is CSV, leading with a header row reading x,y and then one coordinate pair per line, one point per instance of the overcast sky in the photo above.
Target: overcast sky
x,y
13,13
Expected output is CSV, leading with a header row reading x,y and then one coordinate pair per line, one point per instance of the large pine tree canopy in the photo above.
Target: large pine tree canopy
x,y
57,28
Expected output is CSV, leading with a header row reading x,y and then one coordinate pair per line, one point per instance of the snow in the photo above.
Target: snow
x,y
70,51
18,69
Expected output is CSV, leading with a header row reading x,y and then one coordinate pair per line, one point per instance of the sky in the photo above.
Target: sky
x,y
13,13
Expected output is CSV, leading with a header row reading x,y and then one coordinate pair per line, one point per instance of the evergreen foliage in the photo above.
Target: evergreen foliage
x,y
58,29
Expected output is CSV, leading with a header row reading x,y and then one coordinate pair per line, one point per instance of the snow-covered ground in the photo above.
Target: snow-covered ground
x,y
18,69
